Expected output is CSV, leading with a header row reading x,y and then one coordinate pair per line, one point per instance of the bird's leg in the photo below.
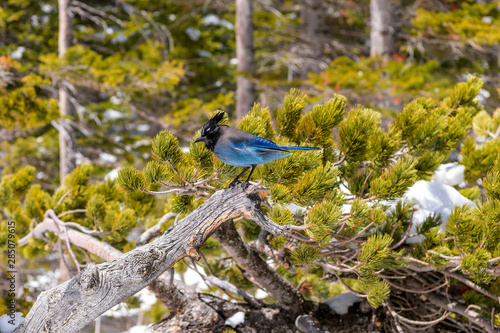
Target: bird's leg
x,y
235,181
251,171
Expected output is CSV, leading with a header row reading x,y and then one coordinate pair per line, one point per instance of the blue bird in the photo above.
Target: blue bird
x,y
239,148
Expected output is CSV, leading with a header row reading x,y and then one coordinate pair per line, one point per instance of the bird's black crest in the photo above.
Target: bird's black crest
x,y
217,118
211,127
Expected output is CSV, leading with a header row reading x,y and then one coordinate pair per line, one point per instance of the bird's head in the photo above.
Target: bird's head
x,y
211,131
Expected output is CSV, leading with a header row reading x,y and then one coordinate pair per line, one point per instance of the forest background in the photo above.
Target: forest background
x,y
91,83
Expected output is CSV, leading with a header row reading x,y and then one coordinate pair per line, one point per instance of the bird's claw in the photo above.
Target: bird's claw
x,y
234,183
244,184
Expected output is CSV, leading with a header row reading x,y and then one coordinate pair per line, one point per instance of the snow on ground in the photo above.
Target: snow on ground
x,y
112,174
236,319
340,304
137,329
8,324
431,197
192,279
450,174
260,294
121,310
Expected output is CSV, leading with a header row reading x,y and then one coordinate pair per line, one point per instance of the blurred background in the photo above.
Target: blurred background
x,y
93,81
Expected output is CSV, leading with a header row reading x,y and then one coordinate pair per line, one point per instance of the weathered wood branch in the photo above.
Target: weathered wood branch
x,y
259,270
463,310
71,305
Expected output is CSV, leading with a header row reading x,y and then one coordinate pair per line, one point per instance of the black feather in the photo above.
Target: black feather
x,y
217,118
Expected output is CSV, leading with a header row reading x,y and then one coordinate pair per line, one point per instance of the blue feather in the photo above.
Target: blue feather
x,y
300,148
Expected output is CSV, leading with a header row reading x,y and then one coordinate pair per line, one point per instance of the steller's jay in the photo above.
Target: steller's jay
x,y
239,148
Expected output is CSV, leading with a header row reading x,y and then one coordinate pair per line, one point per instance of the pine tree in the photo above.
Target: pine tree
x,y
343,237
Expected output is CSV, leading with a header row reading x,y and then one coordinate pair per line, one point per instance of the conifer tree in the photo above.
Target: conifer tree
x,y
344,237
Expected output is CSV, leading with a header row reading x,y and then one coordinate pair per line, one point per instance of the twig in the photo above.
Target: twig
x,y
342,159
348,288
405,236
74,211
234,290
471,284
155,230
355,236
61,200
364,183
395,316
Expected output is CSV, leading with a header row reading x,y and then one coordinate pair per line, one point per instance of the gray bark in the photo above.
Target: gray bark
x,y
69,306
67,140
245,91
250,260
382,27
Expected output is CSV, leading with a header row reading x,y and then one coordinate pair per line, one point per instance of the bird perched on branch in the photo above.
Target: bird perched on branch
x,y
239,148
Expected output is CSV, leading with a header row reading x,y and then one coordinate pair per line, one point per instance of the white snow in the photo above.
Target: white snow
x,y
236,319
143,127
8,324
115,100
213,19
18,53
432,197
193,34
191,278
111,114
340,304
112,174
119,38
450,174
137,329
260,294
295,209
46,8
105,157
121,310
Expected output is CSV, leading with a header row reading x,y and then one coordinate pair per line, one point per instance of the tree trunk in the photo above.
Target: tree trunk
x,y
67,140
245,91
382,27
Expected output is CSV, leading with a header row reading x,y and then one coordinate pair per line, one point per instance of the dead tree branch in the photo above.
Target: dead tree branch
x,y
71,305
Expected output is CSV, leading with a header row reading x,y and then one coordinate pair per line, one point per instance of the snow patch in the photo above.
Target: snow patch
x,y
193,34
260,294
9,322
119,38
18,53
115,100
112,174
105,157
143,127
236,319
432,197
191,278
137,329
213,19
450,174
111,114
340,304
121,310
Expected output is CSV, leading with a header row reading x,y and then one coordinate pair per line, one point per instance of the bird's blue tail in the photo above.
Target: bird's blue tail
x,y
300,148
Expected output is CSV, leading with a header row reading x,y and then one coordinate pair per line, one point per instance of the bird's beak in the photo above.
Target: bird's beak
x,y
200,139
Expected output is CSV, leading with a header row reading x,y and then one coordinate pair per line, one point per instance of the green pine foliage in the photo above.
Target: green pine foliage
x,y
349,202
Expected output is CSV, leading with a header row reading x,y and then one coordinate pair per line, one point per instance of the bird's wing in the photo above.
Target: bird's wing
x,y
264,144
